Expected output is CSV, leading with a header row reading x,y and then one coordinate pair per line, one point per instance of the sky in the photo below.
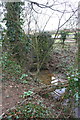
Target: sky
x,y
46,22
51,20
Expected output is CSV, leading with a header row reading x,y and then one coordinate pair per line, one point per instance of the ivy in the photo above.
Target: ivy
x,y
13,20
74,84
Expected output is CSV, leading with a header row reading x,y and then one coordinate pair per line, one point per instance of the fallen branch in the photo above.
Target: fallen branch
x,y
49,87
44,89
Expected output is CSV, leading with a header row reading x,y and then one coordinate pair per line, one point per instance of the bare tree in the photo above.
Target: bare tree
x,y
39,14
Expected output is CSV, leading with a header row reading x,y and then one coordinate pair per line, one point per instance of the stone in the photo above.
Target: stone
x,y
55,81
58,93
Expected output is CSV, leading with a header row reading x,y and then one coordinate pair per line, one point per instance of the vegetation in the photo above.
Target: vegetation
x,y
41,44
25,58
14,30
14,21
29,111
73,79
64,34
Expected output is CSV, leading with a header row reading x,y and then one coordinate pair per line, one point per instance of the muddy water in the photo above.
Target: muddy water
x,y
45,77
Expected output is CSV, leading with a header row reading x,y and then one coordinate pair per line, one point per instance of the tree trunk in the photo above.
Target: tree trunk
x,y
79,56
79,37
77,109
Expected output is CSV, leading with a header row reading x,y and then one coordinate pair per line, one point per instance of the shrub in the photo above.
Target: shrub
x,y
63,35
41,44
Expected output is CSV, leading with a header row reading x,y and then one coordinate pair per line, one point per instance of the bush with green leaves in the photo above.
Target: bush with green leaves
x,y
63,34
44,42
41,44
